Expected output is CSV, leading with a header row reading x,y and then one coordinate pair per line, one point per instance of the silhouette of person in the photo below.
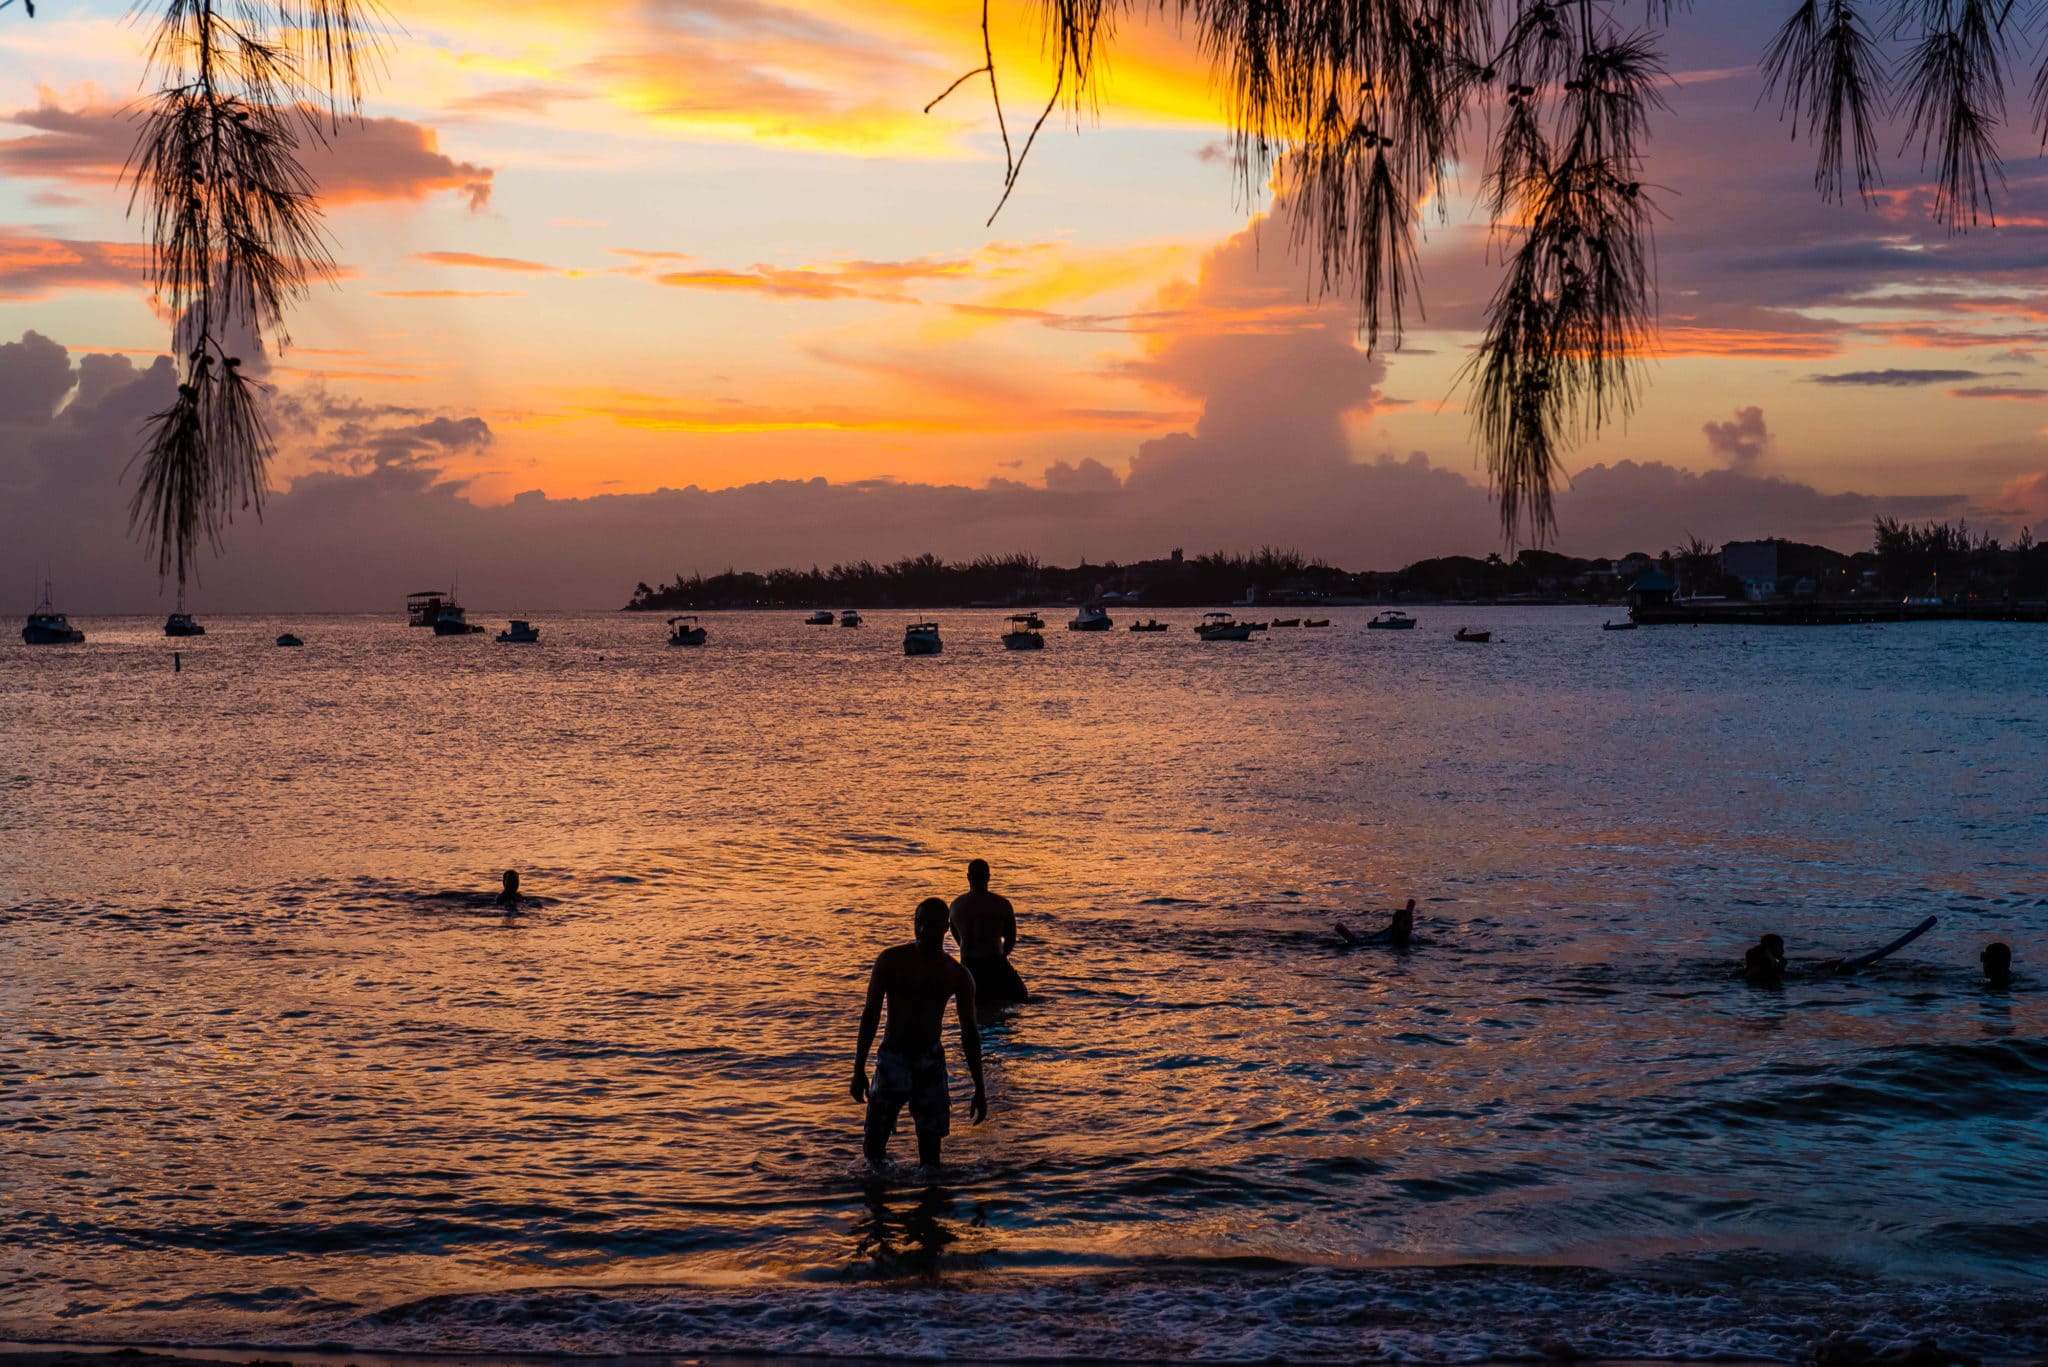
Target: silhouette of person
x,y
985,928
1764,963
1399,932
916,980
510,898
1997,961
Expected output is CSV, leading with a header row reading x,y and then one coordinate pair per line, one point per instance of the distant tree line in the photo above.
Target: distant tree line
x,y
1905,560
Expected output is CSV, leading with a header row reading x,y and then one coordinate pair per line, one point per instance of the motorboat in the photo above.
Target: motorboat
x,y
684,631
1310,622
453,621
49,627
821,618
1020,636
180,623
1149,624
1393,619
922,638
289,640
1617,626
1091,617
849,618
423,609
1032,621
519,632
1478,638
1221,626
1286,621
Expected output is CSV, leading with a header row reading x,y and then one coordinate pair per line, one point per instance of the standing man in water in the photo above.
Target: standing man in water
x,y
916,980
985,928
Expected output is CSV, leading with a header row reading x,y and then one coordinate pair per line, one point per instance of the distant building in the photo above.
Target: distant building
x,y
1755,563
1650,589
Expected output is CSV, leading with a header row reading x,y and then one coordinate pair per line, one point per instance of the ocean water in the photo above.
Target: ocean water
x,y
273,1072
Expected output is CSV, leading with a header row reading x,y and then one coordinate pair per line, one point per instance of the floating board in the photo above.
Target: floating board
x,y
1345,934
1863,961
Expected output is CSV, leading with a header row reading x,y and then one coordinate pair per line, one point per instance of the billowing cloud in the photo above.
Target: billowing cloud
x,y
359,160
1742,441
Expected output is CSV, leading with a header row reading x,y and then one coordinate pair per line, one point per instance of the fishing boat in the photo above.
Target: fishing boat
x,y
1020,636
1617,626
1308,622
821,618
1091,617
453,621
423,609
849,618
1393,619
1479,638
922,638
289,640
1149,624
49,627
180,623
684,631
519,632
1221,626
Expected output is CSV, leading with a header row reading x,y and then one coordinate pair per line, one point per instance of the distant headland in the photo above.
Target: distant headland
x,y
1933,561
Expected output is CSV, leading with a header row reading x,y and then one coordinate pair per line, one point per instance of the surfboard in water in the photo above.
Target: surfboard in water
x,y
1862,961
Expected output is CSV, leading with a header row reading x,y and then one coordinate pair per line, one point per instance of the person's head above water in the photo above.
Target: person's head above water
x,y
1773,945
1997,961
977,873
933,916
512,881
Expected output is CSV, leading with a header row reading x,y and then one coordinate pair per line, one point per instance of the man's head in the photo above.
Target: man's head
x,y
511,880
1997,961
930,924
1774,945
977,874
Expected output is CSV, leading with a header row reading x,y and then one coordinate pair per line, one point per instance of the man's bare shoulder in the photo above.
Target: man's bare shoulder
x,y
892,958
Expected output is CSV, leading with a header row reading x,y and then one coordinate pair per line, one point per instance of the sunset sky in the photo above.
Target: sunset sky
x,y
713,247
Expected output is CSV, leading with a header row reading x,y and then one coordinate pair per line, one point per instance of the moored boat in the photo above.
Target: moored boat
x,y
684,631
1393,619
289,640
1091,617
1221,626
1149,624
1474,637
849,618
1308,622
519,632
1617,626
180,623
821,618
423,609
1020,636
922,638
453,621
49,627
1286,621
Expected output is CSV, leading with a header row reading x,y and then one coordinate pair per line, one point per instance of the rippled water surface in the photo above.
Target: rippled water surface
x,y
274,1072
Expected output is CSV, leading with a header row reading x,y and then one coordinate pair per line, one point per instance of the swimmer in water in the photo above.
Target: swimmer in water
x,y
1764,964
1997,961
509,898
916,981
1399,932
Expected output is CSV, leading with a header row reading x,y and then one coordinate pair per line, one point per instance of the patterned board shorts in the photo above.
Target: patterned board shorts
x,y
919,1081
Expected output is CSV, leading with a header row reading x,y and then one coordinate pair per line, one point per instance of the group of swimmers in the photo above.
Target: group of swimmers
x,y
1764,964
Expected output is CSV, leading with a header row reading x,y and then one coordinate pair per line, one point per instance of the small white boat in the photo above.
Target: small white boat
x,y
1393,619
922,638
519,632
684,631
821,618
1091,617
1221,626
849,618
1020,636
49,627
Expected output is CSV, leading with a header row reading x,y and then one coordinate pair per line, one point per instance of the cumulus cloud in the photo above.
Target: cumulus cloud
x,y
1741,442
360,160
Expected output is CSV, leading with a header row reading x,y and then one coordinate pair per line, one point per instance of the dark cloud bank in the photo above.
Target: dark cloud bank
x,y
382,519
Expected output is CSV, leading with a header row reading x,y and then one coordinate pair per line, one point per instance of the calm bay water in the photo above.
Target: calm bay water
x,y
263,1082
